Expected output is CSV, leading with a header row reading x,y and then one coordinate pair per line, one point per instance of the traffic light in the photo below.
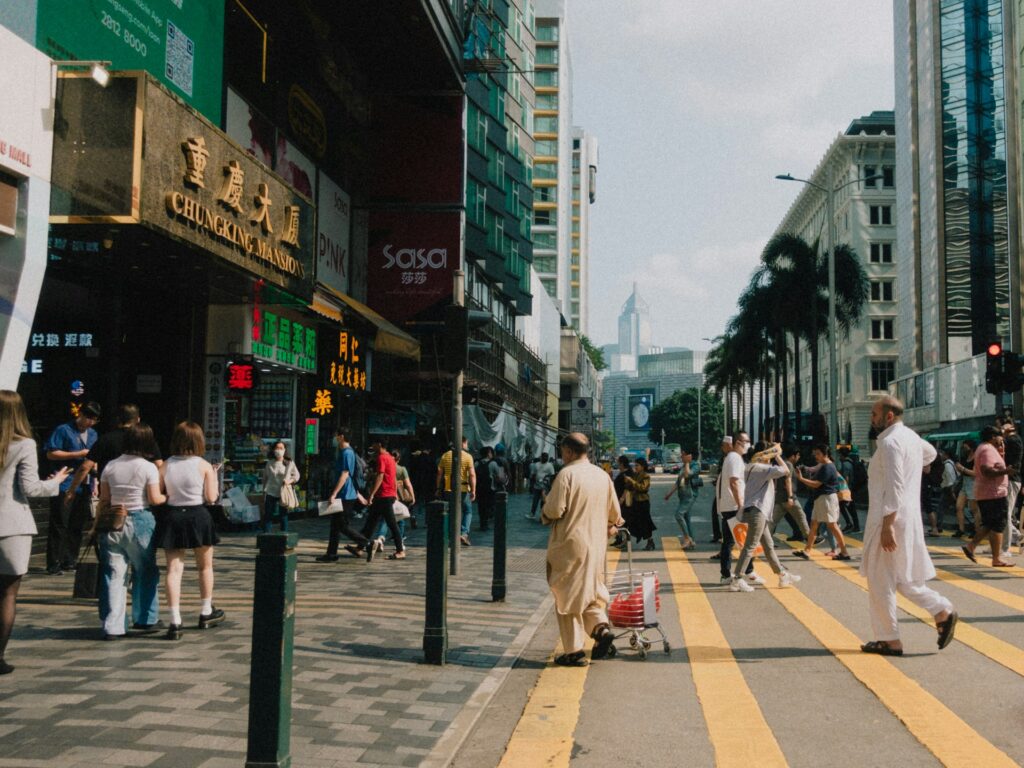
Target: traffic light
x,y
1013,371
994,368
459,322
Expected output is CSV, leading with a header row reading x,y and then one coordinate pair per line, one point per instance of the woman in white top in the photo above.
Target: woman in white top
x,y
190,483
19,481
132,481
279,471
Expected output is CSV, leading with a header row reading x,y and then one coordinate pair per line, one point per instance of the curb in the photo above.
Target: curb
x,y
448,746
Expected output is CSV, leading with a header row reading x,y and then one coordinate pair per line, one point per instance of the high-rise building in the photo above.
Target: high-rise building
x,y
564,172
584,194
860,166
955,239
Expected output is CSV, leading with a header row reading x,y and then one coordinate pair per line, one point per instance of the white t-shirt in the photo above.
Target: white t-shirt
x,y
731,467
184,480
128,477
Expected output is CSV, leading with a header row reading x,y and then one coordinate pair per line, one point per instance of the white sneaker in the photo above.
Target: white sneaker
x,y
755,578
788,579
726,580
740,585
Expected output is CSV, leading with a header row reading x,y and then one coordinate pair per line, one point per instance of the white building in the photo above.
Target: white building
x,y
864,221
564,171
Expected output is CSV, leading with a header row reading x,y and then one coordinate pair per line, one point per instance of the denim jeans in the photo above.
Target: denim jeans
x,y
682,514
467,511
382,529
272,508
383,511
538,501
133,546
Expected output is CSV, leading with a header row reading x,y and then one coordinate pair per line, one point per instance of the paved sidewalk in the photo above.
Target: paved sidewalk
x,y
362,695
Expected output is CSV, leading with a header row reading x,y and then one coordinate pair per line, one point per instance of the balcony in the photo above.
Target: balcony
x,y
510,372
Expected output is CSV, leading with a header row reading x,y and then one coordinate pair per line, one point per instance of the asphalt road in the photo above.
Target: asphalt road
x,y
774,677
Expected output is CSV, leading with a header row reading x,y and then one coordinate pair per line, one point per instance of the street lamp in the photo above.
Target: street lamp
x,y
833,370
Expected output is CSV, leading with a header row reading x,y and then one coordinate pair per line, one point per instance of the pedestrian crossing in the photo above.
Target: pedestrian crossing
x,y
729,694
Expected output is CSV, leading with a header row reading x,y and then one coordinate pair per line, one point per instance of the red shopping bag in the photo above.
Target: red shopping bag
x,y
627,610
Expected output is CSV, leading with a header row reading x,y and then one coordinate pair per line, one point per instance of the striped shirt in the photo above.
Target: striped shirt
x,y
445,465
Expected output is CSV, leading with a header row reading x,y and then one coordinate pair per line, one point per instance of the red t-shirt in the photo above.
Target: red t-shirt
x,y
386,469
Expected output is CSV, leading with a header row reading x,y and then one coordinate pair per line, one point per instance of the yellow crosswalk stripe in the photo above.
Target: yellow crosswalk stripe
x,y
937,727
1010,600
544,734
724,695
957,552
1000,651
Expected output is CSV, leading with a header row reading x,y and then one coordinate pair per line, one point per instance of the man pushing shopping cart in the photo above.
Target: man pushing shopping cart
x,y
582,510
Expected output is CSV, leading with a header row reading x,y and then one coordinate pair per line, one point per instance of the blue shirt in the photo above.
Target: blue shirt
x,y
66,437
346,462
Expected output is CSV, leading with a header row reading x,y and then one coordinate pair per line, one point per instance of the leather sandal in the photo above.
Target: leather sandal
x,y
574,659
882,648
946,629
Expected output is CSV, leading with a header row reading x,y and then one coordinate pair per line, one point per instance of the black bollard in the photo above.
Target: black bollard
x,y
273,635
435,628
500,546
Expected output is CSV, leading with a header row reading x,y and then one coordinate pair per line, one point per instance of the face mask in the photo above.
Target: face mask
x,y
279,453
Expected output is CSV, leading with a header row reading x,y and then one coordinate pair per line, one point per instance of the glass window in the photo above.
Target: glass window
x,y
546,101
545,148
546,78
547,32
881,253
882,374
545,218
882,329
545,194
545,170
545,124
545,240
888,176
869,171
547,54
881,290
880,215
544,264
846,378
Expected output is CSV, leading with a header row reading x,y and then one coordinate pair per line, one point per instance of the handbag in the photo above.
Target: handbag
x,y
87,572
110,517
289,499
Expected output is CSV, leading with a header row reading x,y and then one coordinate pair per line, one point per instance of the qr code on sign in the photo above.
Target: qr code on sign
x,y
181,55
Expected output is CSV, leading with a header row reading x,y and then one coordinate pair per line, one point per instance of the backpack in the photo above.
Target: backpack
x,y
484,484
860,474
501,477
359,475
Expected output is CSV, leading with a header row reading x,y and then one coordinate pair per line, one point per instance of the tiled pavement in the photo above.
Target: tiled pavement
x,y
362,695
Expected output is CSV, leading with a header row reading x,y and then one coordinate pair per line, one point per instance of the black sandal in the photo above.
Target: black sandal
x,y
946,629
970,555
881,648
603,637
574,659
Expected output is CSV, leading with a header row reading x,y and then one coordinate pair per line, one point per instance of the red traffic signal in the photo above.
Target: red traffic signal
x,y
995,349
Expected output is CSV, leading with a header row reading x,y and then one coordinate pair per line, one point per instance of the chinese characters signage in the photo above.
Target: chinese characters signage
x,y
241,377
203,189
322,403
284,340
213,397
349,369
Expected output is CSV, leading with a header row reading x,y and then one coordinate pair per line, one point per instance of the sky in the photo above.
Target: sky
x,y
697,106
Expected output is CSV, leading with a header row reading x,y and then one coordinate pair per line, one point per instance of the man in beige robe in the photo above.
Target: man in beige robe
x,y
581,509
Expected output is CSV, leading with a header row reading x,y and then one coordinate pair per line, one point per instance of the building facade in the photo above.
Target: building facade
x,y
864,220
584,194
956,151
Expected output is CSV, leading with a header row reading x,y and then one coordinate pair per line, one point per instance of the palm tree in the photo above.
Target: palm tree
x,y
799,276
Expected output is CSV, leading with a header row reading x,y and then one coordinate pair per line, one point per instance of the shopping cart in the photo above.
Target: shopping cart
x,y
634,604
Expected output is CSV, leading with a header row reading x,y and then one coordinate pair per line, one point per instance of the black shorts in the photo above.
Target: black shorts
x,y
993,514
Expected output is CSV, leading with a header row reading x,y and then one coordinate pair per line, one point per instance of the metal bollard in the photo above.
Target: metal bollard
x,y
435,628
273,631
500,546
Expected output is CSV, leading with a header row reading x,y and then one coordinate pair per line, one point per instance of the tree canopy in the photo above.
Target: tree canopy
x,y
677,415
596,354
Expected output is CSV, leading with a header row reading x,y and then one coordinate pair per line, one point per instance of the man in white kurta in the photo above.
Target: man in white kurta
x,y
895,556
580,508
